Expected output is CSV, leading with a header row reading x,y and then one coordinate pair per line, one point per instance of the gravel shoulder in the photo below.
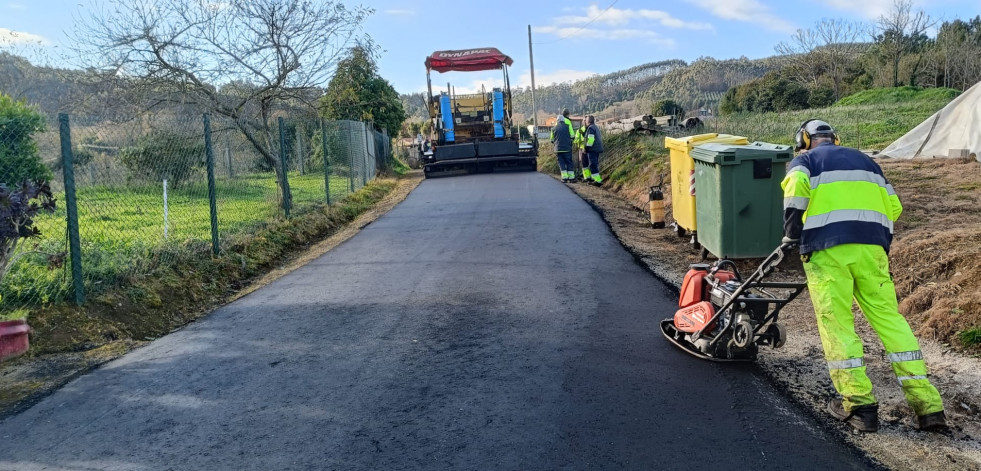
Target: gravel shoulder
x,y
798,369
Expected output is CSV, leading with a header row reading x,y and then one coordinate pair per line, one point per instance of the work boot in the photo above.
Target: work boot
x,y
934,422
862,418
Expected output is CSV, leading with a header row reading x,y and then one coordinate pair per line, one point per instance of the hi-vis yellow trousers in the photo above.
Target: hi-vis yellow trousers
x,y
834,277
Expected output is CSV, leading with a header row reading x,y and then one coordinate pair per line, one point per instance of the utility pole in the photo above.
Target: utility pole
x,y
534,103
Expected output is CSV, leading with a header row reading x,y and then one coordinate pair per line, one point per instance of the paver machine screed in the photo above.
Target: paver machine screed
x,y
473,132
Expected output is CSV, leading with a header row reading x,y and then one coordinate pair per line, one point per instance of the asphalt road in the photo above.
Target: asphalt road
x,y
487,322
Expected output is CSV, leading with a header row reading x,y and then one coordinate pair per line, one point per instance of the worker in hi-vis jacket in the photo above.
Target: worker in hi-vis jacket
x,y
579,142
562,136
839,209
593,144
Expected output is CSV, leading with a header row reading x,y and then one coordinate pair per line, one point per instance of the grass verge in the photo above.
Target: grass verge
x,y
184,281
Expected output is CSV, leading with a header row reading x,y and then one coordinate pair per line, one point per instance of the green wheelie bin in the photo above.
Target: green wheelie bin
x,y
739,211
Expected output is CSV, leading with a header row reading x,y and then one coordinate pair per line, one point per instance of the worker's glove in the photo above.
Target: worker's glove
x,y
789,244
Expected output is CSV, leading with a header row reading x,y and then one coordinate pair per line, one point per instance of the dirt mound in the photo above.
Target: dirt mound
x,y
938,244
939,281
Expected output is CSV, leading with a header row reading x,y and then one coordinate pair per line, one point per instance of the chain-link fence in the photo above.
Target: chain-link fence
x,y
129,193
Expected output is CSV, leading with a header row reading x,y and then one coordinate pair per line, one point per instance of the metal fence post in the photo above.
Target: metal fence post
x,y
209,153
323,144
350,156
369,144
71,206
298,137
282,159
387,150
228,155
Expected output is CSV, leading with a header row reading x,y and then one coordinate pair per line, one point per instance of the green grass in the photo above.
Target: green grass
x,y
971,337
178,282
864,126
626,156
889,96
876,119
122,230
113,215
629,155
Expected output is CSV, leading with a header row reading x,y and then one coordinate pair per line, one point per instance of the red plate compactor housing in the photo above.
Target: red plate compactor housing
x,y
723,317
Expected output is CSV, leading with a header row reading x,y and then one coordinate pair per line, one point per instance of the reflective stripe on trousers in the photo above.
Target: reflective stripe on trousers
x,y
839,275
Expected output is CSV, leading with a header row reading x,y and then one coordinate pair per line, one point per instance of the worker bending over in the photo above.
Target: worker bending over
x,y
840,209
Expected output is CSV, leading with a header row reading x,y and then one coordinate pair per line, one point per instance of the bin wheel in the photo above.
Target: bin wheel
x,y
679,230
703,253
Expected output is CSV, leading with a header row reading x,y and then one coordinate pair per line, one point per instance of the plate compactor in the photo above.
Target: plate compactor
x,y
723,317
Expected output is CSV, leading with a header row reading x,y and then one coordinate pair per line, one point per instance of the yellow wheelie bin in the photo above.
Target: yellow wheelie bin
x,y
683,175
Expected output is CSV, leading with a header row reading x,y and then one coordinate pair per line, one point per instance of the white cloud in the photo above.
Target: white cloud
x,y
9,38
869,9
610,35
397,12
524,80
15,6
746,10
620,17
550,78
488,84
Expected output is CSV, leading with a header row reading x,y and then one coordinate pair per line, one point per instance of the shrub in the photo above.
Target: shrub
x,y
18,207
19,160
821,97
164,155
667,107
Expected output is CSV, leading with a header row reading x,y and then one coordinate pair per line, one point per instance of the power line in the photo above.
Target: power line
x,y
581,27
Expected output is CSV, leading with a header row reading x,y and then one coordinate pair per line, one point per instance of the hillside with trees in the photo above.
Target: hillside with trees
x,y
700,83
814,68
828,61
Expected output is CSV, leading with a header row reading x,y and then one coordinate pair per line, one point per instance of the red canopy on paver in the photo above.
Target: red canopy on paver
x,y
467,60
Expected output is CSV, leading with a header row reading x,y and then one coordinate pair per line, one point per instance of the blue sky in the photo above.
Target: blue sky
x,y
572,39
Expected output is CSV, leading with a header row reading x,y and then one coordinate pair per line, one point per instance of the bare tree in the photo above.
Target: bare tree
x,y
826,49
956,57
901,32
185,50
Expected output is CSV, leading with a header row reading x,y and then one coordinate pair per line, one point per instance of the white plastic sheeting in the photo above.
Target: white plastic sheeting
x,y
956,126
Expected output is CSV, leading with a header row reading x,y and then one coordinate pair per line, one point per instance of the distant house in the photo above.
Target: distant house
x,y
576,121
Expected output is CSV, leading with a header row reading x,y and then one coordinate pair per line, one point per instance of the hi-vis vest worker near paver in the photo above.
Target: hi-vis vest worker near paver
x,y
562,137
594,147
840,209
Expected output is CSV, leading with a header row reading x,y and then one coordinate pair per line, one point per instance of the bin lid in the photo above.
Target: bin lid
x,y
687,143
729,154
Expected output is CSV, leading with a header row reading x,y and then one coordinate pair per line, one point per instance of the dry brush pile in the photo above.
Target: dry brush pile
x,y
935,258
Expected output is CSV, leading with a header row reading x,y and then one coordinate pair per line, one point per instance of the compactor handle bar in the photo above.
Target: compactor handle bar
x,y
761,272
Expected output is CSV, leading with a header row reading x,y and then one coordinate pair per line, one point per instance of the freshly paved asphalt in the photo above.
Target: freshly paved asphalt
x,y
487,322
